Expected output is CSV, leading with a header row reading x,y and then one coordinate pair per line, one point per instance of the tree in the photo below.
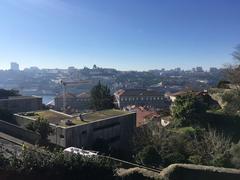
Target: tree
x,y
231,98
149,156
233,71
101,97
210,148
157,146
223,84
235,152
42,127
186,109
183,145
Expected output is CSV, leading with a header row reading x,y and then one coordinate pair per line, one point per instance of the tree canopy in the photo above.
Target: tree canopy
x,y
233,71
186,109
101,97
42,127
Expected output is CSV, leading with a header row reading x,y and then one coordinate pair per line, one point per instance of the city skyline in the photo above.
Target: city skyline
x,y
126,35
16,67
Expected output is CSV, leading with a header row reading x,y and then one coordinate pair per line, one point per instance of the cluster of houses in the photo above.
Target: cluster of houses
x,y
134,108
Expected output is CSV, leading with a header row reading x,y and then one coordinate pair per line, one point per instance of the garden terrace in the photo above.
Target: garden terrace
x,y
58,118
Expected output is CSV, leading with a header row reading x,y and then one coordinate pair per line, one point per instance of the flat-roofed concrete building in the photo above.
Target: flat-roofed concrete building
x,y
115,127
74,102
21,103
140,97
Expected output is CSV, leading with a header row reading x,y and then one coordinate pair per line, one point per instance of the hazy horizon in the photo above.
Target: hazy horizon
x,y
90,67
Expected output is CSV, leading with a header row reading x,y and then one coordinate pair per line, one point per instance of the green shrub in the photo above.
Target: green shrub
x,y
235,152
174,157
187,109
149,156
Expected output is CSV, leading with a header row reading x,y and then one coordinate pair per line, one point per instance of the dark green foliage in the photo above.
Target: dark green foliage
x,y
42,164
232,99
6,93
187,109
164,145
135,174
185,145
225,123
223,84
101,97
174,157
235,152
3,161
149,156
42,127
210,148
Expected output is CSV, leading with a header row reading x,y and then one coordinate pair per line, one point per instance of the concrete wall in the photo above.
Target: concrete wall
x,y
117,131
198,172
181,172
21,104
22,121
19,132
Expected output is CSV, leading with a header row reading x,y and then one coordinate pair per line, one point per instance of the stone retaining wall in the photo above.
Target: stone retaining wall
x,y
18,132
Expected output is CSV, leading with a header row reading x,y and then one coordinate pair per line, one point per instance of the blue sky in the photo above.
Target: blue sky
x,y
123,34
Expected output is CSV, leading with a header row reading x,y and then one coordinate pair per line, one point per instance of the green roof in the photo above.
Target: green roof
x,y
59,118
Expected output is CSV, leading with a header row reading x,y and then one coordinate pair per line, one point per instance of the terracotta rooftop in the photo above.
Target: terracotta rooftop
x,y
142,114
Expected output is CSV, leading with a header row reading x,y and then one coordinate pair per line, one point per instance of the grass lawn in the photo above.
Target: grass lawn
x,y
103,114
98,115
51,116
56,118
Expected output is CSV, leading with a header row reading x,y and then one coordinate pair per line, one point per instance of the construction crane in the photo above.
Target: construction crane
x,y
70,84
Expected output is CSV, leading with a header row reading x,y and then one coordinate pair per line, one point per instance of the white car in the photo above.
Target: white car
x,y
81,152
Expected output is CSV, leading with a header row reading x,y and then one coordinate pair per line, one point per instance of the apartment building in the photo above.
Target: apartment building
x,y
17,104
139,97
